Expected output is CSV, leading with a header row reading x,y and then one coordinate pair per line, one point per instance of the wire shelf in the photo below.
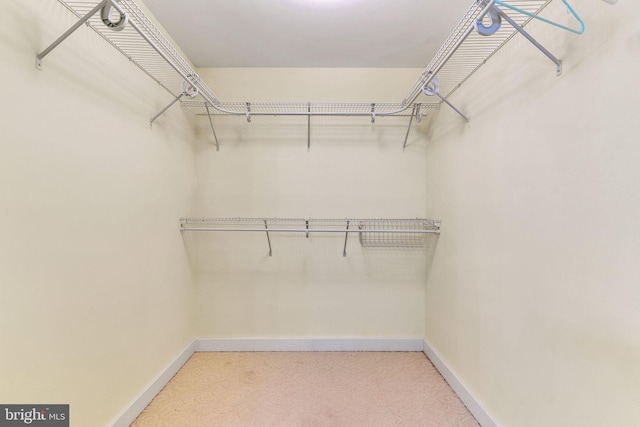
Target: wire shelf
x,y
412,232
135,42
397,233
465,50
462,53
308,108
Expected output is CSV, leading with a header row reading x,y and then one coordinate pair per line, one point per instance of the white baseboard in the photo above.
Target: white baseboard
x,y
309,344
471,402
127,416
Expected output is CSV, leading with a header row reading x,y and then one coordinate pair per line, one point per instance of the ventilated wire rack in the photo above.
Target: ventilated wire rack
x,y
308,108
458,58
397,233
465,50
313,225
144,45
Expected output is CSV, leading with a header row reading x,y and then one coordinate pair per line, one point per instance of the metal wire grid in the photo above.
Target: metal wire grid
x,y
304,108
458,58
396,233
133,45
368,227
470,49
414,233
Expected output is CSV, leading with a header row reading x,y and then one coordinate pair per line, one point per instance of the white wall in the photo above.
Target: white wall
x,y
96,292
354,169
533,297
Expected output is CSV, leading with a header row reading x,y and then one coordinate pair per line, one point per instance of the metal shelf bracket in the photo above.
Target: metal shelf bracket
x,y
532,40
346,236
268,239
309,127
212,128
70,31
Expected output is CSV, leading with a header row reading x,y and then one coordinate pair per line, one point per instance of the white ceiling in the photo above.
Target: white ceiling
x,y
309,33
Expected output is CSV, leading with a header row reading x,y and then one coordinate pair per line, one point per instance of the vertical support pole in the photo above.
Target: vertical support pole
x,y
67,33
413,113
206,105
306,226
532,40
346,235
309,127
153,119
268,239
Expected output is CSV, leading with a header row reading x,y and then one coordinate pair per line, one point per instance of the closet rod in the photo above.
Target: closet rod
x,y
309,230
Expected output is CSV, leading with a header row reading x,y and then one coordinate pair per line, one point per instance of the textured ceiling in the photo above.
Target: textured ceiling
x,y
309,33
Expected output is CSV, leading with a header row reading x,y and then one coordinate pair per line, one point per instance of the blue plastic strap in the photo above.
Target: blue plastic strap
x,y
569,9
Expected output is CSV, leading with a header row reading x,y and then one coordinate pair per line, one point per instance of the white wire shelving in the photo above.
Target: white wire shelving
x,y
372,233
125,26
466,49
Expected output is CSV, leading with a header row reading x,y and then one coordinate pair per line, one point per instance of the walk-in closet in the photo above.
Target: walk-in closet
x,y
320,212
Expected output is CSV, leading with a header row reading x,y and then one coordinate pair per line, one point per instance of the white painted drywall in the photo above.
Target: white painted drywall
x,y
354,169
534,293
95,287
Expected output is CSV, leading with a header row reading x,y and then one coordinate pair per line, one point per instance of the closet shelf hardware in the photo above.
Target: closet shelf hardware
x,y
133,34
398,233
153,119
308,127
215,137
466,49
305,109
413,113
141,42
533,41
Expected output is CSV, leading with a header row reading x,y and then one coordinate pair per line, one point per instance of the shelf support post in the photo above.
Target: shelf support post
x,y
268,239
67,33
309,127
206,105
413,113
446,101
532,40
153,119
346,235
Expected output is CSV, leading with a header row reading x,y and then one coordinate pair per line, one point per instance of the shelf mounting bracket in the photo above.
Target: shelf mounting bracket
x,y
346,235
153,119
413,113
309,127
67,33
268,239
532,40
206,105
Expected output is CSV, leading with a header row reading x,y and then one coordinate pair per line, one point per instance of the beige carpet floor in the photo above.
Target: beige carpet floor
x,y
307,389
